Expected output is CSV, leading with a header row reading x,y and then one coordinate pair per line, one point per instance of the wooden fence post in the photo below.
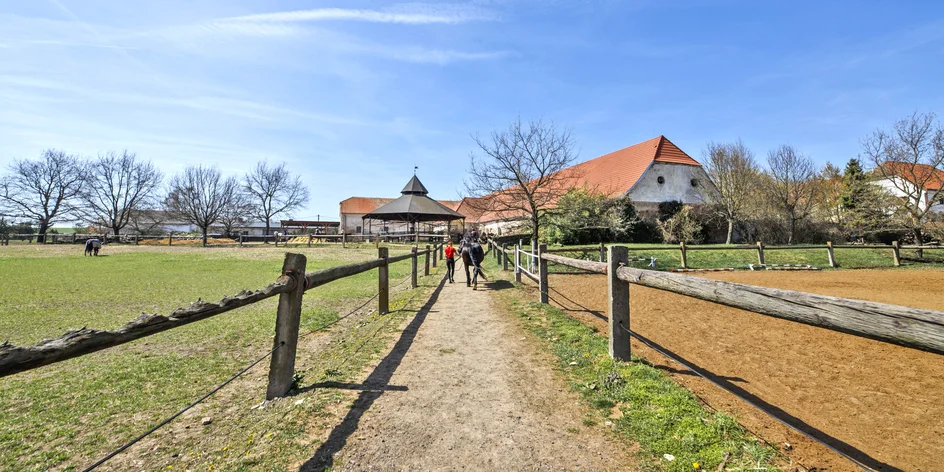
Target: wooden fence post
x,y
170,239
896,254
760,252
136,238
504,256
413,274
542,269
684,256
282,365
383,282
518,263
618,304
602,252
435,252
832,255
343,240
426,261
442,249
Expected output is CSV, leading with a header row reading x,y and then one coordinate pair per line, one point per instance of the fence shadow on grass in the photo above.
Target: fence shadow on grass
x,y
727,384
372,388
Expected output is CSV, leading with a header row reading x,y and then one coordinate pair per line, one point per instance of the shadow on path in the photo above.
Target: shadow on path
x,y
372,388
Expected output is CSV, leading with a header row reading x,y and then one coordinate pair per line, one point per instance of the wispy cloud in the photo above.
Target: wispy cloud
x,y
416,14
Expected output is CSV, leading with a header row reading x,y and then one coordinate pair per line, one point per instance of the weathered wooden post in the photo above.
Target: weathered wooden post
x,y
896,253
760,252
136,238
426,261
504,256
542,268
413,274
518,263
602,252
73,238
343,240
442,249
310,237
282,365
376,240
684,255
170,239
618,304
435,251
832,255
383,282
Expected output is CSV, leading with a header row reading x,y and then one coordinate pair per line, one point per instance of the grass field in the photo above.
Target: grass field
x,y
64,416
670,257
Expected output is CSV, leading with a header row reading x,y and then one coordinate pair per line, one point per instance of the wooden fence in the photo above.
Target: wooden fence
x,y
904,326
759,247
290,287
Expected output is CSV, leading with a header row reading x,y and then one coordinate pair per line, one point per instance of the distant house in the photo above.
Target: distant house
x,y
918,183
650,173
353,210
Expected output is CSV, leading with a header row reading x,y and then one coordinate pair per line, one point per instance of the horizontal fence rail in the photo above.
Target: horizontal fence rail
x,y
75,343
904,326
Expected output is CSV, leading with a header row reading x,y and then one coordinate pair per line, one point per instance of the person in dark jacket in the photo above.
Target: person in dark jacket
x,y
464,248
477,254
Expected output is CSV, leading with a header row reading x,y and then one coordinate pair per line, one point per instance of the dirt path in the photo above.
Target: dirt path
x,y
464,389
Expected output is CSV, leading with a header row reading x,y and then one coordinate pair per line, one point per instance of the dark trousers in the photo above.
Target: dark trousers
x,y
450,269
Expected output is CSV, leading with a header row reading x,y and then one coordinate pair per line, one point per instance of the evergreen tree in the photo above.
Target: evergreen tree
x,y
865,206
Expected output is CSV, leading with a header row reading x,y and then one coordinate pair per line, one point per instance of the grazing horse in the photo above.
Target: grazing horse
x,y
92,246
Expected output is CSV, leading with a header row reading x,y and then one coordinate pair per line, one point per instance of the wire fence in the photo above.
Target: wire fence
x,y
171,418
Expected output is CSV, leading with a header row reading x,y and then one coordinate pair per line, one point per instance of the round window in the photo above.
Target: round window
x,y
694,182
661,179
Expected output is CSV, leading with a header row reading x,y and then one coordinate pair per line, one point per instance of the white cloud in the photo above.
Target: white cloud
x,y
416,14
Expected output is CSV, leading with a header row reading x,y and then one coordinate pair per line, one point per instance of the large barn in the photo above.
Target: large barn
x,y
650,173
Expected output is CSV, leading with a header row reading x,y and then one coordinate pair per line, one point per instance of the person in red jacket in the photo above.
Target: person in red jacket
x,y
450,261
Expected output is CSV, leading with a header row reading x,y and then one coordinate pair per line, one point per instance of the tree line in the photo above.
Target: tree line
x,y
116,191
526,170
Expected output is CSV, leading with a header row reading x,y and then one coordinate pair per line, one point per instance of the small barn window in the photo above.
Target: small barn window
x,y
660,179
694,182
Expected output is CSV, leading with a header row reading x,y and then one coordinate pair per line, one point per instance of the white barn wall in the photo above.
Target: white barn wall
x,y
648,192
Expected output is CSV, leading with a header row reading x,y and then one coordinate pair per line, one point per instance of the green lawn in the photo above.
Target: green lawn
x,y
66,415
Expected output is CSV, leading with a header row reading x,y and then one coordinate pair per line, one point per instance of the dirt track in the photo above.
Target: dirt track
x,y
880,403
438,402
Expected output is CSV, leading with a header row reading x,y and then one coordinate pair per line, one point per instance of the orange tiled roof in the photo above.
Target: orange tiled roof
x,y
932,178
617,172
359,205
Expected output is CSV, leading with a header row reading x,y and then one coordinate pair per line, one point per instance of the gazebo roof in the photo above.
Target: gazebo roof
x,y
414,206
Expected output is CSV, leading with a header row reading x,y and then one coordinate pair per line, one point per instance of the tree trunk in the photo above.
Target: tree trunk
x,y
730,230
793,225
43,227
919,240
204,236
267,228
116,229
534,229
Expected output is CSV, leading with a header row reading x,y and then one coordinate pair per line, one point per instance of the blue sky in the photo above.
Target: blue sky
x,y
353,94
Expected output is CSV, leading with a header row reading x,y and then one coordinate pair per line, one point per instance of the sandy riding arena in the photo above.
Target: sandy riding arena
x,y
879,403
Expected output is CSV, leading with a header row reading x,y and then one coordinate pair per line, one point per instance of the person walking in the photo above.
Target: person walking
x,y
464,248
477,254
450,253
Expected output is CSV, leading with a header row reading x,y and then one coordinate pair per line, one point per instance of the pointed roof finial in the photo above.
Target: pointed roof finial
x,y
414,169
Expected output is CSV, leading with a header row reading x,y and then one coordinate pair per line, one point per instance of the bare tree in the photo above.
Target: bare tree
x,y
910,158
44,190
117,186
236,213
732,170
522,172
274,191
200,195
794,185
